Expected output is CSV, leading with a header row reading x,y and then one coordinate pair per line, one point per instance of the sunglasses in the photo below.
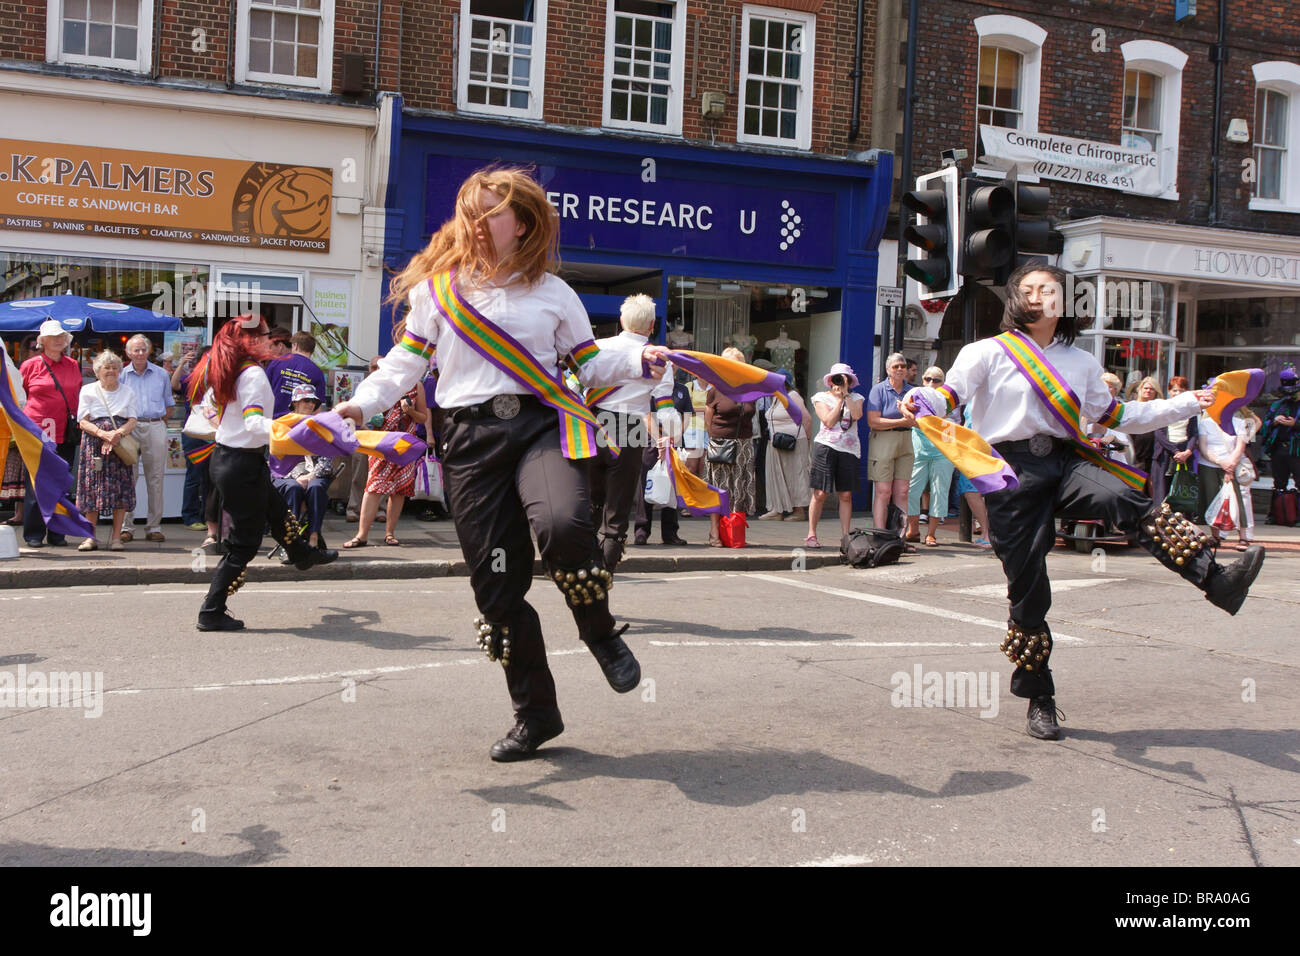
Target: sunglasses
x,y
927,378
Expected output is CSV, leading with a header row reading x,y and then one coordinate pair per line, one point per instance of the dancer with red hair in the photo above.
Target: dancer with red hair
x,y
233,386
484,293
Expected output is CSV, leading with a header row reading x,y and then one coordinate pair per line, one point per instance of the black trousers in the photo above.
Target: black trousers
x,y
614,482
1285,468
33,523
668,517
505,478
243,479
1022,530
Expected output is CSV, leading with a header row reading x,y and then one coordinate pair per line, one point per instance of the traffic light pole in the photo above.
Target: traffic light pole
x,y
967,336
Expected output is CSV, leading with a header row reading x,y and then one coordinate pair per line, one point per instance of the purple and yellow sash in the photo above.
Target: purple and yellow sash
x,y
327,434
578,426
694,492
971,454
1059,399
739,381
50,475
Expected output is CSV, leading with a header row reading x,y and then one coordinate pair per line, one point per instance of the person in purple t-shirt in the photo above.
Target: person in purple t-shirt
x,y
293,370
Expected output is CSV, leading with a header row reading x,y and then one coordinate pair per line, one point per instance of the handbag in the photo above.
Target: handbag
x,y
723,451
1183,492
128,446
783,441
428,480
199,424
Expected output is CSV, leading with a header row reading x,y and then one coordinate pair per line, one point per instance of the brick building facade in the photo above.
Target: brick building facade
x,y
1126,75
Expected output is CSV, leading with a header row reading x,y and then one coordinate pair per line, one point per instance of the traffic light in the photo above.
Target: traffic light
x,y
932,249
1033,235
988,230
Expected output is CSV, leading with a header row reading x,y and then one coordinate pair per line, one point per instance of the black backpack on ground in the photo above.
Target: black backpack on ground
x,y
872,549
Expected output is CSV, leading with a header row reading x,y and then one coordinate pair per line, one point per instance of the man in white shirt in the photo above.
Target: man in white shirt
x,y
622,412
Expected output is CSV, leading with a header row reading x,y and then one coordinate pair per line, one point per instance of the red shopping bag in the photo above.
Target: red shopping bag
x,y
731,528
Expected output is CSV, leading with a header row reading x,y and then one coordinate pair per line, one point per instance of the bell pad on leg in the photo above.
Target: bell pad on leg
x,y
493,640
1027,648
1175,541
584,586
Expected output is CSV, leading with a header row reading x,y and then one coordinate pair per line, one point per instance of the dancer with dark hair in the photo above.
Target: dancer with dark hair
x,y
484,293
1027,389
229,380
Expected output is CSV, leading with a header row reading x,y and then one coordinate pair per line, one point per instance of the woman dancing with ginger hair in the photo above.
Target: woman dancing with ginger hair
x,y
485,295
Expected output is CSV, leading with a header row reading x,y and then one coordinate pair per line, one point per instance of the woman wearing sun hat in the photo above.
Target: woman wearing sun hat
x,y
53,383
837,450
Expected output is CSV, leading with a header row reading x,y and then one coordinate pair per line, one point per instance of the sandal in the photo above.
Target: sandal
x,y
931,541
913,538
14,522
811,542
715,542
909,549
391,541
355,543
1243,545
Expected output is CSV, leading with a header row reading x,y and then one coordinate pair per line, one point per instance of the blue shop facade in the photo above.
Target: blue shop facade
x,y
775,254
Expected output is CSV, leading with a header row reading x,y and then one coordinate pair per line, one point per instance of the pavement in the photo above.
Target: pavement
x,y
431,549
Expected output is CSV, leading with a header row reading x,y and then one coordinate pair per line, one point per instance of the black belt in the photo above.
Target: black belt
x,y
503,407
1040,446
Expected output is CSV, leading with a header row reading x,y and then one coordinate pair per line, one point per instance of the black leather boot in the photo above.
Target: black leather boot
x,y
1042,719
228,579
304,557
1180,546
617,661
525,737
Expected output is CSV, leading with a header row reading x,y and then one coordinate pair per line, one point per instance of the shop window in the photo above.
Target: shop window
x,y
1133,305
1152,104
503,57
1010,62
1141,129
285,42
112,33
644,65
1277,116
1257,321
776,78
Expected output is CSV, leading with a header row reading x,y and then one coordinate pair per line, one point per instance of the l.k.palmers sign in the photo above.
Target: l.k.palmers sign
x,y
130,194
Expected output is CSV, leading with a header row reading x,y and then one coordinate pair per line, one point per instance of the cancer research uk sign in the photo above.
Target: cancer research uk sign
x,y
1081,161
623,212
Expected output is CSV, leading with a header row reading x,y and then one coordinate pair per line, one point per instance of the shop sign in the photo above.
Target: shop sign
x,y
665,215
129,194
331,306
1196,261
1080,161
1139,348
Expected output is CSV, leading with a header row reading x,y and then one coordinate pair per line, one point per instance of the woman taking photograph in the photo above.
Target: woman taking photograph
x,y
53,381
484,293
106,414
837,451
228,378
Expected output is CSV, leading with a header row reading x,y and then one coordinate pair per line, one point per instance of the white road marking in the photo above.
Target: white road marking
x,y
838,861
761,643
1058,587
899,604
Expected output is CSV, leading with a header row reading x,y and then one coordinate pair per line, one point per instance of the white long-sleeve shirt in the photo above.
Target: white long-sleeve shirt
x,y
1005,407
548,319
245,422
634,397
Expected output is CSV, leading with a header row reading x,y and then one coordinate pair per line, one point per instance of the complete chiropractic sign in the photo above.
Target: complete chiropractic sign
x,y
626,212
1079,161
128,194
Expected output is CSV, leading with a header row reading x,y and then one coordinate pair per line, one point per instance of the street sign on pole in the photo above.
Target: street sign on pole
x,y
889,296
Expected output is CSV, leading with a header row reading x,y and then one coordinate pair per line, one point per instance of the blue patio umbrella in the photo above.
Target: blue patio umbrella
x,y
75,313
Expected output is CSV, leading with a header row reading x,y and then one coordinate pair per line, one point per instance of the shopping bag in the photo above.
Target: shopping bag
x,y
731,529
1183,492
1224,513
428,480
658,487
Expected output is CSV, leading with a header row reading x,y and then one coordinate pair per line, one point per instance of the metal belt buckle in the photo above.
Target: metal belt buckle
x,y
505,407
1040,446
